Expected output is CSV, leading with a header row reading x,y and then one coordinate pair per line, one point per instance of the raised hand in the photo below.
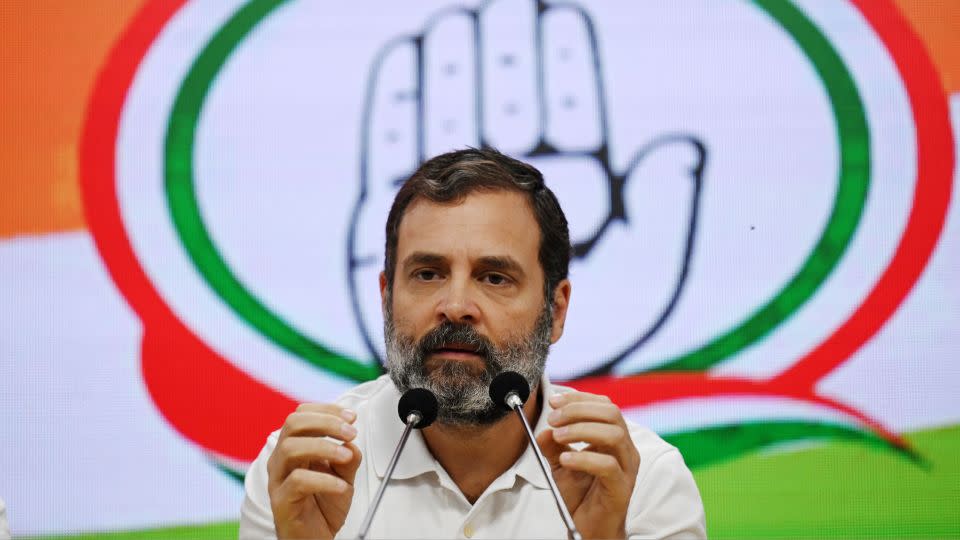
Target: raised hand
x,y
310,474
525,77
597,481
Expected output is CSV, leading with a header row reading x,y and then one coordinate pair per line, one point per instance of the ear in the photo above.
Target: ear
x,y
561,301
383,293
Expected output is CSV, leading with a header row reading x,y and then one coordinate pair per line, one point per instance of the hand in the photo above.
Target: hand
x,y
310,476
596,482
525,77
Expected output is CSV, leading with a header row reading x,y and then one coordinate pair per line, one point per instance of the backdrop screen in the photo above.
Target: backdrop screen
x,y
192,205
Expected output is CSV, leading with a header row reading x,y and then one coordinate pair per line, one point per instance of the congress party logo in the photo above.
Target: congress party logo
x,y
753,189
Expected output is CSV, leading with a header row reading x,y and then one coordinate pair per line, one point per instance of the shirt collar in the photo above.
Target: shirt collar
x,y
386,430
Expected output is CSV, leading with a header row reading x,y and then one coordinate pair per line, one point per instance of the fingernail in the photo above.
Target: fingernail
x,y
566,457
344,453
555,416
348,415
341,486
559,432
347,430
556,400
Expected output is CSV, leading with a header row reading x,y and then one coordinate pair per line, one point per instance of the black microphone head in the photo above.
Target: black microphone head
x,y
506,382
422,401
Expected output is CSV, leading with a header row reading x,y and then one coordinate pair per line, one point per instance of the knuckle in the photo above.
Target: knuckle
x,y
298,477
610,410
293,421
284,448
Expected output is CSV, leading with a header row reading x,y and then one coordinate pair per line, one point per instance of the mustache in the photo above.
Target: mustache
x,y
448,333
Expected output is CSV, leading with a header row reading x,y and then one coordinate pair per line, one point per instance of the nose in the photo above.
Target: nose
x,y
457,303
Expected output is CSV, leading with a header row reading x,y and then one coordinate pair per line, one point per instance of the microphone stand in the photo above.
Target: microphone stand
x,y
514,401
412,420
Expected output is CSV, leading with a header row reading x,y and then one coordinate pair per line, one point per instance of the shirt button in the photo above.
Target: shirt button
x,y
468,530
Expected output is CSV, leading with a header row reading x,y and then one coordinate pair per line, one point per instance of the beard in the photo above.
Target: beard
x,y
461,388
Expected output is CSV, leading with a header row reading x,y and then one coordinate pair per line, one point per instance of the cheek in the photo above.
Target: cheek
x,y
514,323
408,313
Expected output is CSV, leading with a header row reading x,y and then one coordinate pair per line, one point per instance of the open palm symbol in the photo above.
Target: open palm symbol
x,y
525,77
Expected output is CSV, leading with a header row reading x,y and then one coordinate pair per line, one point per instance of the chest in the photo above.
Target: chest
x,y
423,507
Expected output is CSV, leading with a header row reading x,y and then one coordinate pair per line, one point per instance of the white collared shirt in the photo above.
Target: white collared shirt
x,y
422,500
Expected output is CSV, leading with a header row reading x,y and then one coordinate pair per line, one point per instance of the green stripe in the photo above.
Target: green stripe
x,y
853,184
211,531
185,211
711,445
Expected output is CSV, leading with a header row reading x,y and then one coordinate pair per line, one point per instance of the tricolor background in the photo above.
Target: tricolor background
x,y
118,416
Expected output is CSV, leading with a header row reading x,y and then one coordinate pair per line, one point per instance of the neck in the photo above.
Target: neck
x,y
474,456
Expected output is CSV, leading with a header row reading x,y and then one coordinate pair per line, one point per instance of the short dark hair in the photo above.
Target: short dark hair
x,y
450,177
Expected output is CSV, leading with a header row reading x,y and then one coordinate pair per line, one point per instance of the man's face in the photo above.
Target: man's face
x,y
468,301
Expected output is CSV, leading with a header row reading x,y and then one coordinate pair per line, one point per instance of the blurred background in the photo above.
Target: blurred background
x,y
192,198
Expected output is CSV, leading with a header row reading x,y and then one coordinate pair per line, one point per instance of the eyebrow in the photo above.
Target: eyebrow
x,y
502,263
423,258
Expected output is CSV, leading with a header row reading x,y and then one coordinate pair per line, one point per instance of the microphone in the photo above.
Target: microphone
x,y
417,409
510,390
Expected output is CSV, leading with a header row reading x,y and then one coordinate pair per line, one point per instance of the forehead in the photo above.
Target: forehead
x,y
499,223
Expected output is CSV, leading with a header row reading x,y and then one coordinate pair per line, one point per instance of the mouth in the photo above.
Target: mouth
x,y
457,351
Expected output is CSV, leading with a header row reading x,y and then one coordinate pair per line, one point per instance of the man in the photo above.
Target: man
x,y
475,282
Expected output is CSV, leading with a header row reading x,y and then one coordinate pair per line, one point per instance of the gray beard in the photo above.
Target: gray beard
x,y
461,389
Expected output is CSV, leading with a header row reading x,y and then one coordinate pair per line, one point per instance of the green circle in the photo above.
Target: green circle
x,y
853,184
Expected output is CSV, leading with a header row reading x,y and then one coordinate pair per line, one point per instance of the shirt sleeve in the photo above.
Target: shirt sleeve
x,y
256,516
666,503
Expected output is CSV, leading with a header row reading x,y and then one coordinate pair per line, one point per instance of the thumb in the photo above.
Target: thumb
x,y
551,448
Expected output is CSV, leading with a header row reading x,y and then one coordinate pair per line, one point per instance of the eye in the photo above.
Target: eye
x,y
496,279
426,275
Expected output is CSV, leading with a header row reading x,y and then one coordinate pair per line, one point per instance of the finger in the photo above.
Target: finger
x,y
550,448
329,408
315,424
598,434
392,134
662,203
348,469
390,138
586,411
575,116
612,439
602,466
302,452
450,107
561,399
302,483
510,103
582,187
